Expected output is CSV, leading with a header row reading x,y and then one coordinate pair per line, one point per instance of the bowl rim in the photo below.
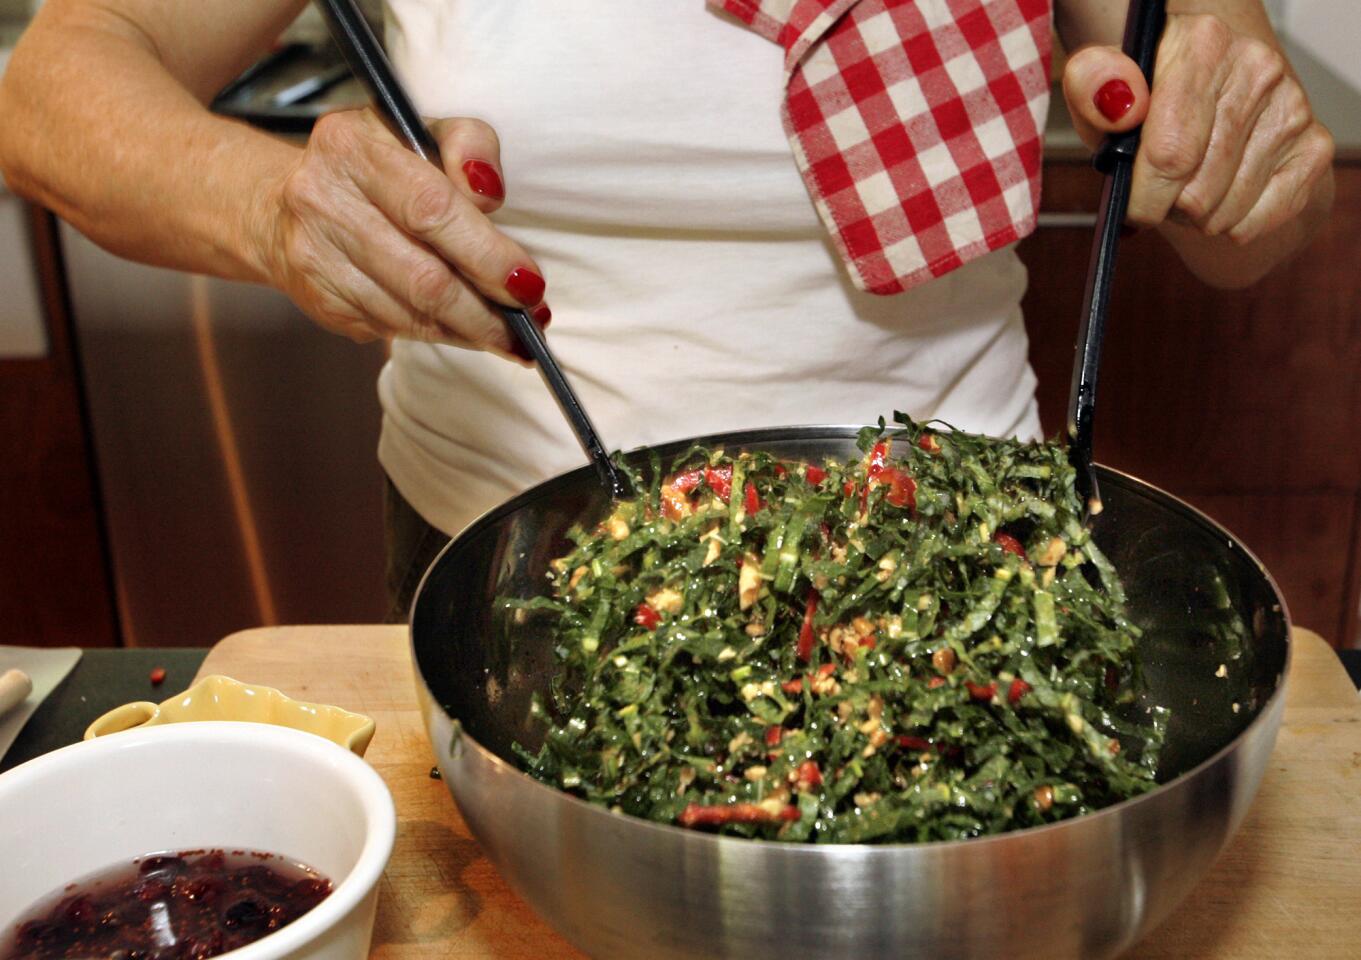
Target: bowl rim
x,y
1267,716
379,811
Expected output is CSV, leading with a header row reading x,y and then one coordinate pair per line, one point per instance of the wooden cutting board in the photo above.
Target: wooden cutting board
x,y
1288,885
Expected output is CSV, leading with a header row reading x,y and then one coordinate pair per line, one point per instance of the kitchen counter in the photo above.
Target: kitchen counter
x,y
102,680
1285,886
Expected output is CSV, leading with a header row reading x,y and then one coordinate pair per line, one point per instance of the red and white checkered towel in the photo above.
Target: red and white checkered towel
x,y
916,124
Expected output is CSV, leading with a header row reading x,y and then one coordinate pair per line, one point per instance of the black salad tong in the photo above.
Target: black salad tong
x,y
1143,29
370,64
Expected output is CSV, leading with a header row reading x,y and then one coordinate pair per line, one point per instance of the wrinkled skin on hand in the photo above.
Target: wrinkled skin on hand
x,y
1230,146
373,242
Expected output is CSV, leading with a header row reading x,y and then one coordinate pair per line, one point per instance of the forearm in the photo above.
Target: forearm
x,y
97,129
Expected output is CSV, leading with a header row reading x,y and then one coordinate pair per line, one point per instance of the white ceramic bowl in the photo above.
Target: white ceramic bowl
x,y
204,785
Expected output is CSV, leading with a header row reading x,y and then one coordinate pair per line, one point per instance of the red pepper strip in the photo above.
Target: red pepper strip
x,y
874,472
646,617
752,500
848,488
807,638
719,480
1009,543
780,471
902,491
157,676
913,743
687,481
928,442
815,475
935,682
878,457
827,669
985,692
808,774
774,735
695,815
1018,689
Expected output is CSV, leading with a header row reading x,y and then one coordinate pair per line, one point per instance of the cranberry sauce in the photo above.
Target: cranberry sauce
x,y
184,906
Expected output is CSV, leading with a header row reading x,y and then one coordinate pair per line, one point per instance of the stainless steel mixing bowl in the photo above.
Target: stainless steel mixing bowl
x,y
1089,887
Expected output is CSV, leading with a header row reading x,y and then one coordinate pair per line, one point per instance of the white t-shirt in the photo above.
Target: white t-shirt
x,y
693,287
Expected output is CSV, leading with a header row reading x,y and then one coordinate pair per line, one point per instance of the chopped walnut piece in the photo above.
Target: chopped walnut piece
x,y
666,600
748,581
944,661
877,739
874,715
687,777
675,505
1052,552
826,685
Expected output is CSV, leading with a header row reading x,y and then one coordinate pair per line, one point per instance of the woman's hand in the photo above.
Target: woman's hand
x,y
1229,148
373,242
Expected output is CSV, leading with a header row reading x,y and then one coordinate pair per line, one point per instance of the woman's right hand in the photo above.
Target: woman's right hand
x,y
373,242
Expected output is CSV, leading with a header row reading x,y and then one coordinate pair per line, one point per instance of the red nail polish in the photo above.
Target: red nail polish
x,y
1114,99
484,179
526,286
542,316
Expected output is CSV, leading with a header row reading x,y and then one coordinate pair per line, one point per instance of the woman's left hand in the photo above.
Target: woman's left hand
x,y
1229,146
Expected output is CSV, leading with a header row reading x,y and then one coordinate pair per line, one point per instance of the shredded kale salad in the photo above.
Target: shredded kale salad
x,y
922,643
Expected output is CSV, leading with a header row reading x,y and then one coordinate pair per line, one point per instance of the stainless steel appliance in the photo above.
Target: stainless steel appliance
x,y
235,446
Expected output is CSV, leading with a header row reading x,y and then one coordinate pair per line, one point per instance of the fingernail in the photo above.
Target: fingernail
x,y
526,286
484,179
542,316
1114,99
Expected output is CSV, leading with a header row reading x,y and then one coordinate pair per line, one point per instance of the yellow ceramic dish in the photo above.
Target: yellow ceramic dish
x,y
222,698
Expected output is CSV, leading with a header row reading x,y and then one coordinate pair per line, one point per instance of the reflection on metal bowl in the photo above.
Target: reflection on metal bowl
x,y
1090,887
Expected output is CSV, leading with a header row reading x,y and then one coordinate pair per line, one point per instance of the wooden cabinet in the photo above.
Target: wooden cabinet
x,y
1246,403
54,577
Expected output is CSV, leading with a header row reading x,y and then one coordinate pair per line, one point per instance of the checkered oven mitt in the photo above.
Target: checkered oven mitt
x,y
916,124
